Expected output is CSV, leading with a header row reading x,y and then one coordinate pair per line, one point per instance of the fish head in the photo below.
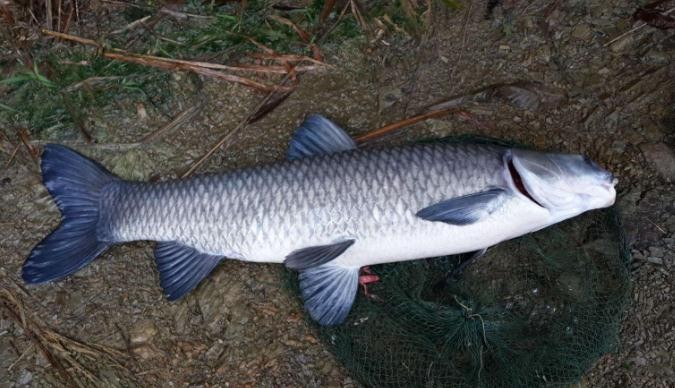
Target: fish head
x,y
565,184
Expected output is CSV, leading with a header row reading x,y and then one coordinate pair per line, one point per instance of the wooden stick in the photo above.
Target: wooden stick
x,y
231,133
203,68
377,133
632,30
181,118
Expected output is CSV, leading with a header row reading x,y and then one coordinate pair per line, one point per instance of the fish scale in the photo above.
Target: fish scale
x,y
294,204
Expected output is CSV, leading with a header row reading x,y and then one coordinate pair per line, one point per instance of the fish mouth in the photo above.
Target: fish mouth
x,y
517,181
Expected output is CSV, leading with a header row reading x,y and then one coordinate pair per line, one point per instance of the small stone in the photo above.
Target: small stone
x,y
142,332
662,158
582,31
504,47
145,352
621,44
389,96
657,252
25,378
141,112
655,260
215,351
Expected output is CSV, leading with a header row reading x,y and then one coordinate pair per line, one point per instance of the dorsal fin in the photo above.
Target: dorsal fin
x,y
316,136
182,267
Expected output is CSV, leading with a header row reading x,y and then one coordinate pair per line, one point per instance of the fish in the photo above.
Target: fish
x,y
327,211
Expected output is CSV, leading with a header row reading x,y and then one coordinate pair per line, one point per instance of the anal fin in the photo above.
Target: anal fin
x,y
329,291
181,267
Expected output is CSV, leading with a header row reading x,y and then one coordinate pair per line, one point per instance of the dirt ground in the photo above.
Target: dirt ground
x,y
242,327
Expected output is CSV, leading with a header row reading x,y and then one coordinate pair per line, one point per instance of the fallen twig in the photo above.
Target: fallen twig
x,y
269,106
131,25
231,133
358,15
636,28
119,147
337,22
287,58
328,6
11,157
25,139
61,352
184,15
304,36
90,82
387,129
180,119
203,68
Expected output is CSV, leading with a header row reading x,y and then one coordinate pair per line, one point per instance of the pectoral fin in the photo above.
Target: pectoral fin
x,y
314,256
466,209
329,291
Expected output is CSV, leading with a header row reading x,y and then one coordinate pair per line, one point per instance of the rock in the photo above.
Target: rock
x,y
389,96
655,260
670,224
657,252
621,44
662,158
145,352
640,361
142,332
582,31
214,352
25,378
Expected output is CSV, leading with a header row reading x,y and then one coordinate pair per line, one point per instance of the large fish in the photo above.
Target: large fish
x,y
328,211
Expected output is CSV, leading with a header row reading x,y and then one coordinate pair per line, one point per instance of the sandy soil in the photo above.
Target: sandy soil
x,y
242,326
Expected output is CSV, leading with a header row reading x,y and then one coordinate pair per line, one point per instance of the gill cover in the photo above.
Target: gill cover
x,y
565,184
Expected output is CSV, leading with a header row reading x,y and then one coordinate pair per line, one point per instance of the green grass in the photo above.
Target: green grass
x,y
39,101
50,93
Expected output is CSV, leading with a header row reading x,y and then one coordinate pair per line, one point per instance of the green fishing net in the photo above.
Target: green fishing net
x,y
535,311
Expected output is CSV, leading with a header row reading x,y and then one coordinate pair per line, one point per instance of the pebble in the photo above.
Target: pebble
x,y
389,96
145,352
25,378
582,31
142,332
215,351
655,260
657,252
621,44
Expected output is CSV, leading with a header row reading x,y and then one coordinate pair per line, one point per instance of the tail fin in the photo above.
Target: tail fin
x,y
75,182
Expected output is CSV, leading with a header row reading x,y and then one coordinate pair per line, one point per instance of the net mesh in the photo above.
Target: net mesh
x,y
537,310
